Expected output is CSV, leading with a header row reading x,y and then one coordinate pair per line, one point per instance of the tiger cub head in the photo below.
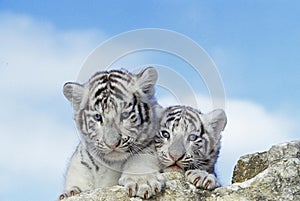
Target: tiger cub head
x,y
188,139
114,112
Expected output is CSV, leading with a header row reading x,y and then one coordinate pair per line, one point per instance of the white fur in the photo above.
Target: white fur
x,y
86,178
96,163
197,156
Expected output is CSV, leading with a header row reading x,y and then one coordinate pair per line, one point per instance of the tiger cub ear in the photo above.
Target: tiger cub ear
x,y
159,111
146,81
215,121
74,93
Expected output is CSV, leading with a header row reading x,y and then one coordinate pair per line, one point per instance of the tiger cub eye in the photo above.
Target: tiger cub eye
x,y
98,117
192,137
165,134
125,115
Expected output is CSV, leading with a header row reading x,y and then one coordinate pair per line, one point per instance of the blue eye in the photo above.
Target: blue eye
x,y
192,137
98,117
165,134
125,115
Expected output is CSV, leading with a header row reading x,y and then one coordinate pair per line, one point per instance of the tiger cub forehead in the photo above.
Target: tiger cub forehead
x,y
181,120
111,89
107,82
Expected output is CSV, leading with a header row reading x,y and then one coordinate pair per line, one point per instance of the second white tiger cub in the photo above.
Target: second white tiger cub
x,y
190,141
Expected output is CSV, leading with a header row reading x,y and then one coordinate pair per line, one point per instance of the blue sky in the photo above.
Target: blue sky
x,y
254,44
261,38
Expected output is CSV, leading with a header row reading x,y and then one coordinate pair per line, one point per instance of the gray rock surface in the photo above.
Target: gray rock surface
x,y
272,175
176,189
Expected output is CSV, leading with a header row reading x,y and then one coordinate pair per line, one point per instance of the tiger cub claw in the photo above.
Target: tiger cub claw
x,y
142,186
202,179
73,191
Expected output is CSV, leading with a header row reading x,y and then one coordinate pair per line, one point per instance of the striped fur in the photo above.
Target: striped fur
x,y
189,140
114,112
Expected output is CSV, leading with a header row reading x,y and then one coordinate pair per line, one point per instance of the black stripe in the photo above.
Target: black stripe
x,y
99,91
146,108
134,101
112,76
170,119
85,164
103,79
174,113
82,162
98,101
118,93
202,129
92,160
119,84
105,100
140,113
98,78
117,71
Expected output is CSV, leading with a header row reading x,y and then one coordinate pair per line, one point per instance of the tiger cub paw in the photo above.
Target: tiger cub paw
x,y
202,179
144,186
73,191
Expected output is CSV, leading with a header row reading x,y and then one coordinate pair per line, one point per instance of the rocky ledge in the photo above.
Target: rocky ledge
x,y
271,175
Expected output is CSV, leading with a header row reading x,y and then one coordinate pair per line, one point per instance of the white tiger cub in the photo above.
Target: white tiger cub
x,y
115,114
190,141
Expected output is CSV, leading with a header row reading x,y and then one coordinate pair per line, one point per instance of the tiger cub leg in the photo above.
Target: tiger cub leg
x,y
141,177
202,179
78,178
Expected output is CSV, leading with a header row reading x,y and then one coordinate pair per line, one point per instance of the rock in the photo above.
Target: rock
x,y
249,166
176,189
272,175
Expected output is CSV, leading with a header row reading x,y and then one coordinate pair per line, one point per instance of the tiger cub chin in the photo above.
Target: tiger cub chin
x,y
189,141
116,118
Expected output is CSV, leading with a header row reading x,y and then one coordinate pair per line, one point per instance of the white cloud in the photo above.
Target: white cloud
x,y
37,56
251,128
37,135
36,144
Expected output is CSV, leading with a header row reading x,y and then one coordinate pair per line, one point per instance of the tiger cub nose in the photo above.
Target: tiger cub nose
x,y
176,156
113,145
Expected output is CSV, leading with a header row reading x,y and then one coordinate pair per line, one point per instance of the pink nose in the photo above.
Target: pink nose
x,y
176,156
113,145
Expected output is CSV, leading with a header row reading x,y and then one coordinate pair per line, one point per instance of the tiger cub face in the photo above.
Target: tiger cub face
x,y
188,139
114,112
